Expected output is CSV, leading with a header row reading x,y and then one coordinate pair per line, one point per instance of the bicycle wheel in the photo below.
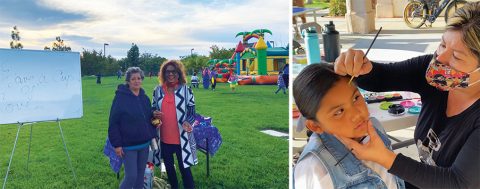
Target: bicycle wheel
x,y
415,14
452,8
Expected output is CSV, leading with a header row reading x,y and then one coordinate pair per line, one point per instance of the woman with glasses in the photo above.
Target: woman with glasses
x,y
447,133
174,105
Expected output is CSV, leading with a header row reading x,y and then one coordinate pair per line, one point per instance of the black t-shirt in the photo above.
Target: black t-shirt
x,y
449,147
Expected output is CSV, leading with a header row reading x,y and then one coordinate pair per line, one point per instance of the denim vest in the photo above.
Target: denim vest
x,y
350,172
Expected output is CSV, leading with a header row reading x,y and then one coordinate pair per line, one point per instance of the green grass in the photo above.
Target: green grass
x,y
246,159
318,4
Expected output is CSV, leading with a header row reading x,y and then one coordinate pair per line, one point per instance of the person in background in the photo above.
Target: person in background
x,y
194,80
299,3
280,83
233,80
214,78
119,74
99,78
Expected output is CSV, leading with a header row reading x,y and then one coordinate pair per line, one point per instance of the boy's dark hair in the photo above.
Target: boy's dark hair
x,y
311,85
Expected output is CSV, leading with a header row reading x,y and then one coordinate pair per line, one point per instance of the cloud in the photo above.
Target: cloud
x,y
178,25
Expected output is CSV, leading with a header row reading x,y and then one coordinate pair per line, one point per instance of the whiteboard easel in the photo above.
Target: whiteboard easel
x,y
39,86
20,125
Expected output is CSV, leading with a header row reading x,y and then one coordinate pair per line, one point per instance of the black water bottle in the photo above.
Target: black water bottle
x,y
331,42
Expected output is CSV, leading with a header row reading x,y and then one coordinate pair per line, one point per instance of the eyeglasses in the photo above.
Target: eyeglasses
x,y
168,72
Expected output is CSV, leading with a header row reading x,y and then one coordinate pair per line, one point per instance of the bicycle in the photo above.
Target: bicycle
x,y
417,12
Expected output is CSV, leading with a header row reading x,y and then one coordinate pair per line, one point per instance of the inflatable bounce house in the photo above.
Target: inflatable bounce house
x,y
256,63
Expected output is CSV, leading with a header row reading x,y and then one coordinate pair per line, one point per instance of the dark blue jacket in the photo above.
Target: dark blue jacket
x,y
130,117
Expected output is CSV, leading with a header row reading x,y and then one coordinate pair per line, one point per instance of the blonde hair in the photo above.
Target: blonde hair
x,y
178,66
467,21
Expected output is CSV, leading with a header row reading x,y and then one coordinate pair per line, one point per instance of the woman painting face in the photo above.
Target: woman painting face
x,y
135,82
453,52
171,74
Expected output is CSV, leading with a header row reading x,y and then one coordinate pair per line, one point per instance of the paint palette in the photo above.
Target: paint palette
x,y
371,97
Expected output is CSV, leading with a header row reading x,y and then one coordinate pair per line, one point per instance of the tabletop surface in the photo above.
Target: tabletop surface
x,y
300,10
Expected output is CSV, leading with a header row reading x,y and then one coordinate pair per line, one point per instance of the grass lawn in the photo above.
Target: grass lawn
x,y
318,4
246,159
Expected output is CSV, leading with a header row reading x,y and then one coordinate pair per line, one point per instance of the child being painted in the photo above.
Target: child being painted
x,y
331,107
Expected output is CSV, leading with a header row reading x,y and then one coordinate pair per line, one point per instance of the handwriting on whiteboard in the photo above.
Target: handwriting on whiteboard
x,y
21,88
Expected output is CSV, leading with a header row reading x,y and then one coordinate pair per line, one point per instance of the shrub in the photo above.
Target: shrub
x,y
337,8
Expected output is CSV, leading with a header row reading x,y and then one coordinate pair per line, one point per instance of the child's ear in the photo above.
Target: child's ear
x,y
313,126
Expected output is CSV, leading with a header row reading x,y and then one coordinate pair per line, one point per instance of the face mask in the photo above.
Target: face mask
x,y
446,78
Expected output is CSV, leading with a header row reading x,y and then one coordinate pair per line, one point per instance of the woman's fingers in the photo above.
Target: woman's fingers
x,y
157,114
119,152
187,127
351,144
352,62
339,66
349,61
366,67
357,62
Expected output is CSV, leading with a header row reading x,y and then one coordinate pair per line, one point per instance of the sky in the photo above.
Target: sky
x,y
167,28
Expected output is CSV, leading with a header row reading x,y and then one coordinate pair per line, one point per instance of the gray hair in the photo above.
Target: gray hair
x,y
133,70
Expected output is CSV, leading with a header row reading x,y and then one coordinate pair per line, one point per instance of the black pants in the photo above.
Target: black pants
x,y
167,154
214,84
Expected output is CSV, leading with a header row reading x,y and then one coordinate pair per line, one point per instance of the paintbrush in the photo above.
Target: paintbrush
x,y
368,50
361,140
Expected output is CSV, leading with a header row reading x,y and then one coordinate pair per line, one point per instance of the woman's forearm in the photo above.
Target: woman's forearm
x,y
388,159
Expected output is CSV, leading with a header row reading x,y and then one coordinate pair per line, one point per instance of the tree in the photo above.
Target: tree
x,y
58,45
93,62
220,53
337,8
194,62
15,43
151,63
133,56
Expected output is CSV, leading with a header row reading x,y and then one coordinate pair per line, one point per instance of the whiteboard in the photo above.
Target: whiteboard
x,y
39,86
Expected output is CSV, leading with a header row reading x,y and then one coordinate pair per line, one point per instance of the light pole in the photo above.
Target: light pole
x,y
191,56
104,44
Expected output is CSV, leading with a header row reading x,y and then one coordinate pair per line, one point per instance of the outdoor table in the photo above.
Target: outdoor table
x,y
297,11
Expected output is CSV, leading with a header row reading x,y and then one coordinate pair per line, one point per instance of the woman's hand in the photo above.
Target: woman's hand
x,y
352,63
187,127
156,123
373,150
119,152
157,114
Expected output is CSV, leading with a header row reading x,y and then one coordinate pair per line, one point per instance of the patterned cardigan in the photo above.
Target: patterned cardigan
x,y
185,105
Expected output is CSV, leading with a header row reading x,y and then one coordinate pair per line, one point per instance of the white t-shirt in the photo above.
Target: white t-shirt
x,y
194,78
311,173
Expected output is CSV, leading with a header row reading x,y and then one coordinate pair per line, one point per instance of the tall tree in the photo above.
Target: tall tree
x,y
151,63
220,53
93,62
195,62
15,43
133,56
58,45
